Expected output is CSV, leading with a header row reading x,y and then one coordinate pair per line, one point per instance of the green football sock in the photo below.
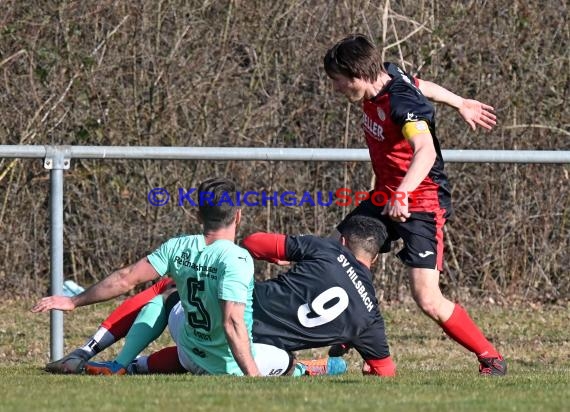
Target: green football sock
x,y
299,370
148,326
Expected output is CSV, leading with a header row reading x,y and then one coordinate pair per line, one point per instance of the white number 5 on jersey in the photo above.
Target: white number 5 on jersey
x,y
324,315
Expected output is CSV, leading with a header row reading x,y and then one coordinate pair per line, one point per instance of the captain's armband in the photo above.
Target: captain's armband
x,y
412,129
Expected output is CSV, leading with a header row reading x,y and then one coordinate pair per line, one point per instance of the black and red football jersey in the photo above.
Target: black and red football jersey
x,y
326,298
384,115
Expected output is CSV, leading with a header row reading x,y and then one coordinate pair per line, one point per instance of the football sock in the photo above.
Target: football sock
x,y
300,370
121,319
100,340
461,328
138,366
164,361
148,326
380,367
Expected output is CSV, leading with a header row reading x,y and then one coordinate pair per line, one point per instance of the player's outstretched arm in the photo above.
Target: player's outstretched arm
x,y
116,284
267,246
472,111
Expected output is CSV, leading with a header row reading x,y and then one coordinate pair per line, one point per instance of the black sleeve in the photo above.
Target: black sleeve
x,y
407,102
298,248
372,343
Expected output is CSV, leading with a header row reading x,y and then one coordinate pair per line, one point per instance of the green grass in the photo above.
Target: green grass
x,y
413,390
434,374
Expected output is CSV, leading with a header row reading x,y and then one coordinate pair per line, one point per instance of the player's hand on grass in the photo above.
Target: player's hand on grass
x,y
477,113
53,302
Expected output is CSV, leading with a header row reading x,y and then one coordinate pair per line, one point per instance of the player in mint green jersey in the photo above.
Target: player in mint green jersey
x,y
214,277
206,274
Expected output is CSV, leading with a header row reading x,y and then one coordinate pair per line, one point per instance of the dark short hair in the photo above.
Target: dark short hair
x,y
365,233
354,56
217,202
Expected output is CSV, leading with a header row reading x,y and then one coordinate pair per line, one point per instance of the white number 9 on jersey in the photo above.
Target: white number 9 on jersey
x,y
318,307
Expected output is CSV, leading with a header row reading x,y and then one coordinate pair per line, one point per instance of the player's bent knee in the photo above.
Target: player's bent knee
x,y
428,305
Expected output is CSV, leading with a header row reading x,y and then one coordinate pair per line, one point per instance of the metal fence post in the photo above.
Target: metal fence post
x,y
56,161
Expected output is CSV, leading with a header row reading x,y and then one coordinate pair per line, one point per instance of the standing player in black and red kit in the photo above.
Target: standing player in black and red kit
x,y
399,126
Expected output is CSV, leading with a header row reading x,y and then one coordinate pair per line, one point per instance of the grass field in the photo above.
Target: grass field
x,y
434,374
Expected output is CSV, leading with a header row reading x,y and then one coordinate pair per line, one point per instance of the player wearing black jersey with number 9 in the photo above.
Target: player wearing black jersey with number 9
x,y
327,297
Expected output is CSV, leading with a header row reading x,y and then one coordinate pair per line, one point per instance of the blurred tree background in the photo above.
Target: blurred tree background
x,y
249,73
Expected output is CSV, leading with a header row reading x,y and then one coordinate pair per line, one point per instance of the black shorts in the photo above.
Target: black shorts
x,y
422,234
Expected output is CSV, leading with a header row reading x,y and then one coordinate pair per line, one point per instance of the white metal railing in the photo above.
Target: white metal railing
x,y
266,153
58,158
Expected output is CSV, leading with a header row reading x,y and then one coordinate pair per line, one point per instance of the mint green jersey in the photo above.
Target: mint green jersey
x,y
204,275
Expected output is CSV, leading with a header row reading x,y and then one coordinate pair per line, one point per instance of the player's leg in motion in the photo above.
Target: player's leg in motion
x,y
147,327
454,320
112,329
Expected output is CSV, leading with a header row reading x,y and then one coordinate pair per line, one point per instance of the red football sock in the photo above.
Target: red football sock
x,y
461,328
121,319
165,361
381,367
